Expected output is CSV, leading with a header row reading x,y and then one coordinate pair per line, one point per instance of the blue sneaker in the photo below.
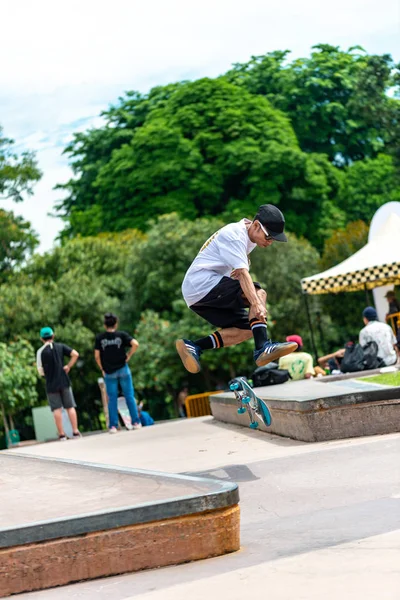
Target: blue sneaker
x,y
272,351
190,355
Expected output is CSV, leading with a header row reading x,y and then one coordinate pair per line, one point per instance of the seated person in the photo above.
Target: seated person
x,y
382,334
299,363
332,361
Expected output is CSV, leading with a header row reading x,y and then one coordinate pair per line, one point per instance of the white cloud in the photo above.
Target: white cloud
x,y
66,61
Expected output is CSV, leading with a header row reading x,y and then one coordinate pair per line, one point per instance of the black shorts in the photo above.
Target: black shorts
x,y
225,305
64,398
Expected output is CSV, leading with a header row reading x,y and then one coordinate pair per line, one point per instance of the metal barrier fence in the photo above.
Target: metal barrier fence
x,y
198,405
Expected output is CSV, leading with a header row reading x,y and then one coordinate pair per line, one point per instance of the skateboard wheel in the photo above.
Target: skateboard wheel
x,y
241,410
246,399
234,386
253,425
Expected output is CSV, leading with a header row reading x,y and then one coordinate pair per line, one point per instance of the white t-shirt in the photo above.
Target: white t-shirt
x,y
383,335
227,249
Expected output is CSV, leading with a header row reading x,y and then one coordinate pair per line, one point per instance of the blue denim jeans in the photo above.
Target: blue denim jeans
x,y
124,378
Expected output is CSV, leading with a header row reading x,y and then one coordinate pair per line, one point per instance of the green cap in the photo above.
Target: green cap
x,y
46,333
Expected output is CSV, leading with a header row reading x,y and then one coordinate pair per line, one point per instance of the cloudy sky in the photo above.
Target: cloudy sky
x,y
63,62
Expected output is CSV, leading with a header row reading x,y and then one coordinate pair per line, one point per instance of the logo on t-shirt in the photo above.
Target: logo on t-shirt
x,y
115,342
210,239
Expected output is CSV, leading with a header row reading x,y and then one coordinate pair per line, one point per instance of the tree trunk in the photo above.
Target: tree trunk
x,y
5,424
11,421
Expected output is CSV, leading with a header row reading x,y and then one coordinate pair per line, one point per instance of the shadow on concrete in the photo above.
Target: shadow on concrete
x,y
235,473
270,438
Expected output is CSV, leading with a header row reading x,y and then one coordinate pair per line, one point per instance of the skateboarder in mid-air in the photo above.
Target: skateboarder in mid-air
x,y
218,287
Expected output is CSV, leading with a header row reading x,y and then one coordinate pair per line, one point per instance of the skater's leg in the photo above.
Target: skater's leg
x,y
129,393
233,336
266,351
112,393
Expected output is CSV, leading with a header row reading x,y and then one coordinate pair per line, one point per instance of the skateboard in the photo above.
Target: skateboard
x,y
124,413
248,401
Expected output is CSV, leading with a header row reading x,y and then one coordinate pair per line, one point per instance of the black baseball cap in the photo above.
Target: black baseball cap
x,y
273,220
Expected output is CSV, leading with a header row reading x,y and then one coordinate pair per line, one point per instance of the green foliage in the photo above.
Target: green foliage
x,y
279,270
337,100
367,185
17,173
18,241
156,269
343,243
18,376
209,147
70,289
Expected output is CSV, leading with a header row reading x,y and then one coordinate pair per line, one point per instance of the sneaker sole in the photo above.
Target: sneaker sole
x,y
189,362
264,359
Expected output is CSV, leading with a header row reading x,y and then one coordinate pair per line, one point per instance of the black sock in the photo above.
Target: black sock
x,y
211,341
260,332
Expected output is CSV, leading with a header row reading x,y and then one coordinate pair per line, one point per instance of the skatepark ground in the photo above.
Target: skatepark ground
x,y
318,520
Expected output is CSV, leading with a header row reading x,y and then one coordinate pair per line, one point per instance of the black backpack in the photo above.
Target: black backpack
x,y
371,359
270,375
353,359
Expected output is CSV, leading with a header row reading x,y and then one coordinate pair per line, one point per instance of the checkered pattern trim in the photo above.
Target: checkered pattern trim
x,y
354,282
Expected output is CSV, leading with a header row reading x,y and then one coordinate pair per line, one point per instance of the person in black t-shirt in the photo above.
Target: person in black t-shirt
x,y
112,358
50,365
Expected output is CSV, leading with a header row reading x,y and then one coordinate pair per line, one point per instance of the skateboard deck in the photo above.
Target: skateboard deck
x,y
124,412
250,403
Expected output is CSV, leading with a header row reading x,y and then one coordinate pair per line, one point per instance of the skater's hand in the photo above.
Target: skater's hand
x,y
67,369
260,311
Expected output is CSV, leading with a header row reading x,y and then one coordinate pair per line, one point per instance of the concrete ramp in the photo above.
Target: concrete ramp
x,y
63,521
320,409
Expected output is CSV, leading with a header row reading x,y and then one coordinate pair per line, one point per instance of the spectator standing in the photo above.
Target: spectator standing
x,y
111,357
394,304
381,333
50,365
299,363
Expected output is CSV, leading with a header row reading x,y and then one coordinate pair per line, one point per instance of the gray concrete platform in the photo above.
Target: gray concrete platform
x,y
63,521
318,521
316,410
44,499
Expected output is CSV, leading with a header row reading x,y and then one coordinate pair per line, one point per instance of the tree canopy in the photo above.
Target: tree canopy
x,y
17,173
268,131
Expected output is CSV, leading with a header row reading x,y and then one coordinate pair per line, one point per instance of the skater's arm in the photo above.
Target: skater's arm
x,y
98,360
133,348
247,285
74,357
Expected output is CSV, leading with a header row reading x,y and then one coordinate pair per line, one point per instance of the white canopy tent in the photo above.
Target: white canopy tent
x,y
376,264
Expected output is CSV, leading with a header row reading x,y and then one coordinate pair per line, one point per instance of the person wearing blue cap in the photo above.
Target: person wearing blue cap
x,y
50,365
381,333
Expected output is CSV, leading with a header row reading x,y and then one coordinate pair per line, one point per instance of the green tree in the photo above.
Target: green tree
x,y
18,242
17,173
337,100
70,289
208,148
18,377
367,185
279,269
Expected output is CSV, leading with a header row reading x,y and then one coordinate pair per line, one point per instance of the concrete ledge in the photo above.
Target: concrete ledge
x,y
133,548
311,411
144,520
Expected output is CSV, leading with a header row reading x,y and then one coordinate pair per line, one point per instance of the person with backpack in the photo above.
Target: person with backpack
x,y
380,333
50,365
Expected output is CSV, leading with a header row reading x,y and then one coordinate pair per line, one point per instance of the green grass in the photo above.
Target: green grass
x,y
384,379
